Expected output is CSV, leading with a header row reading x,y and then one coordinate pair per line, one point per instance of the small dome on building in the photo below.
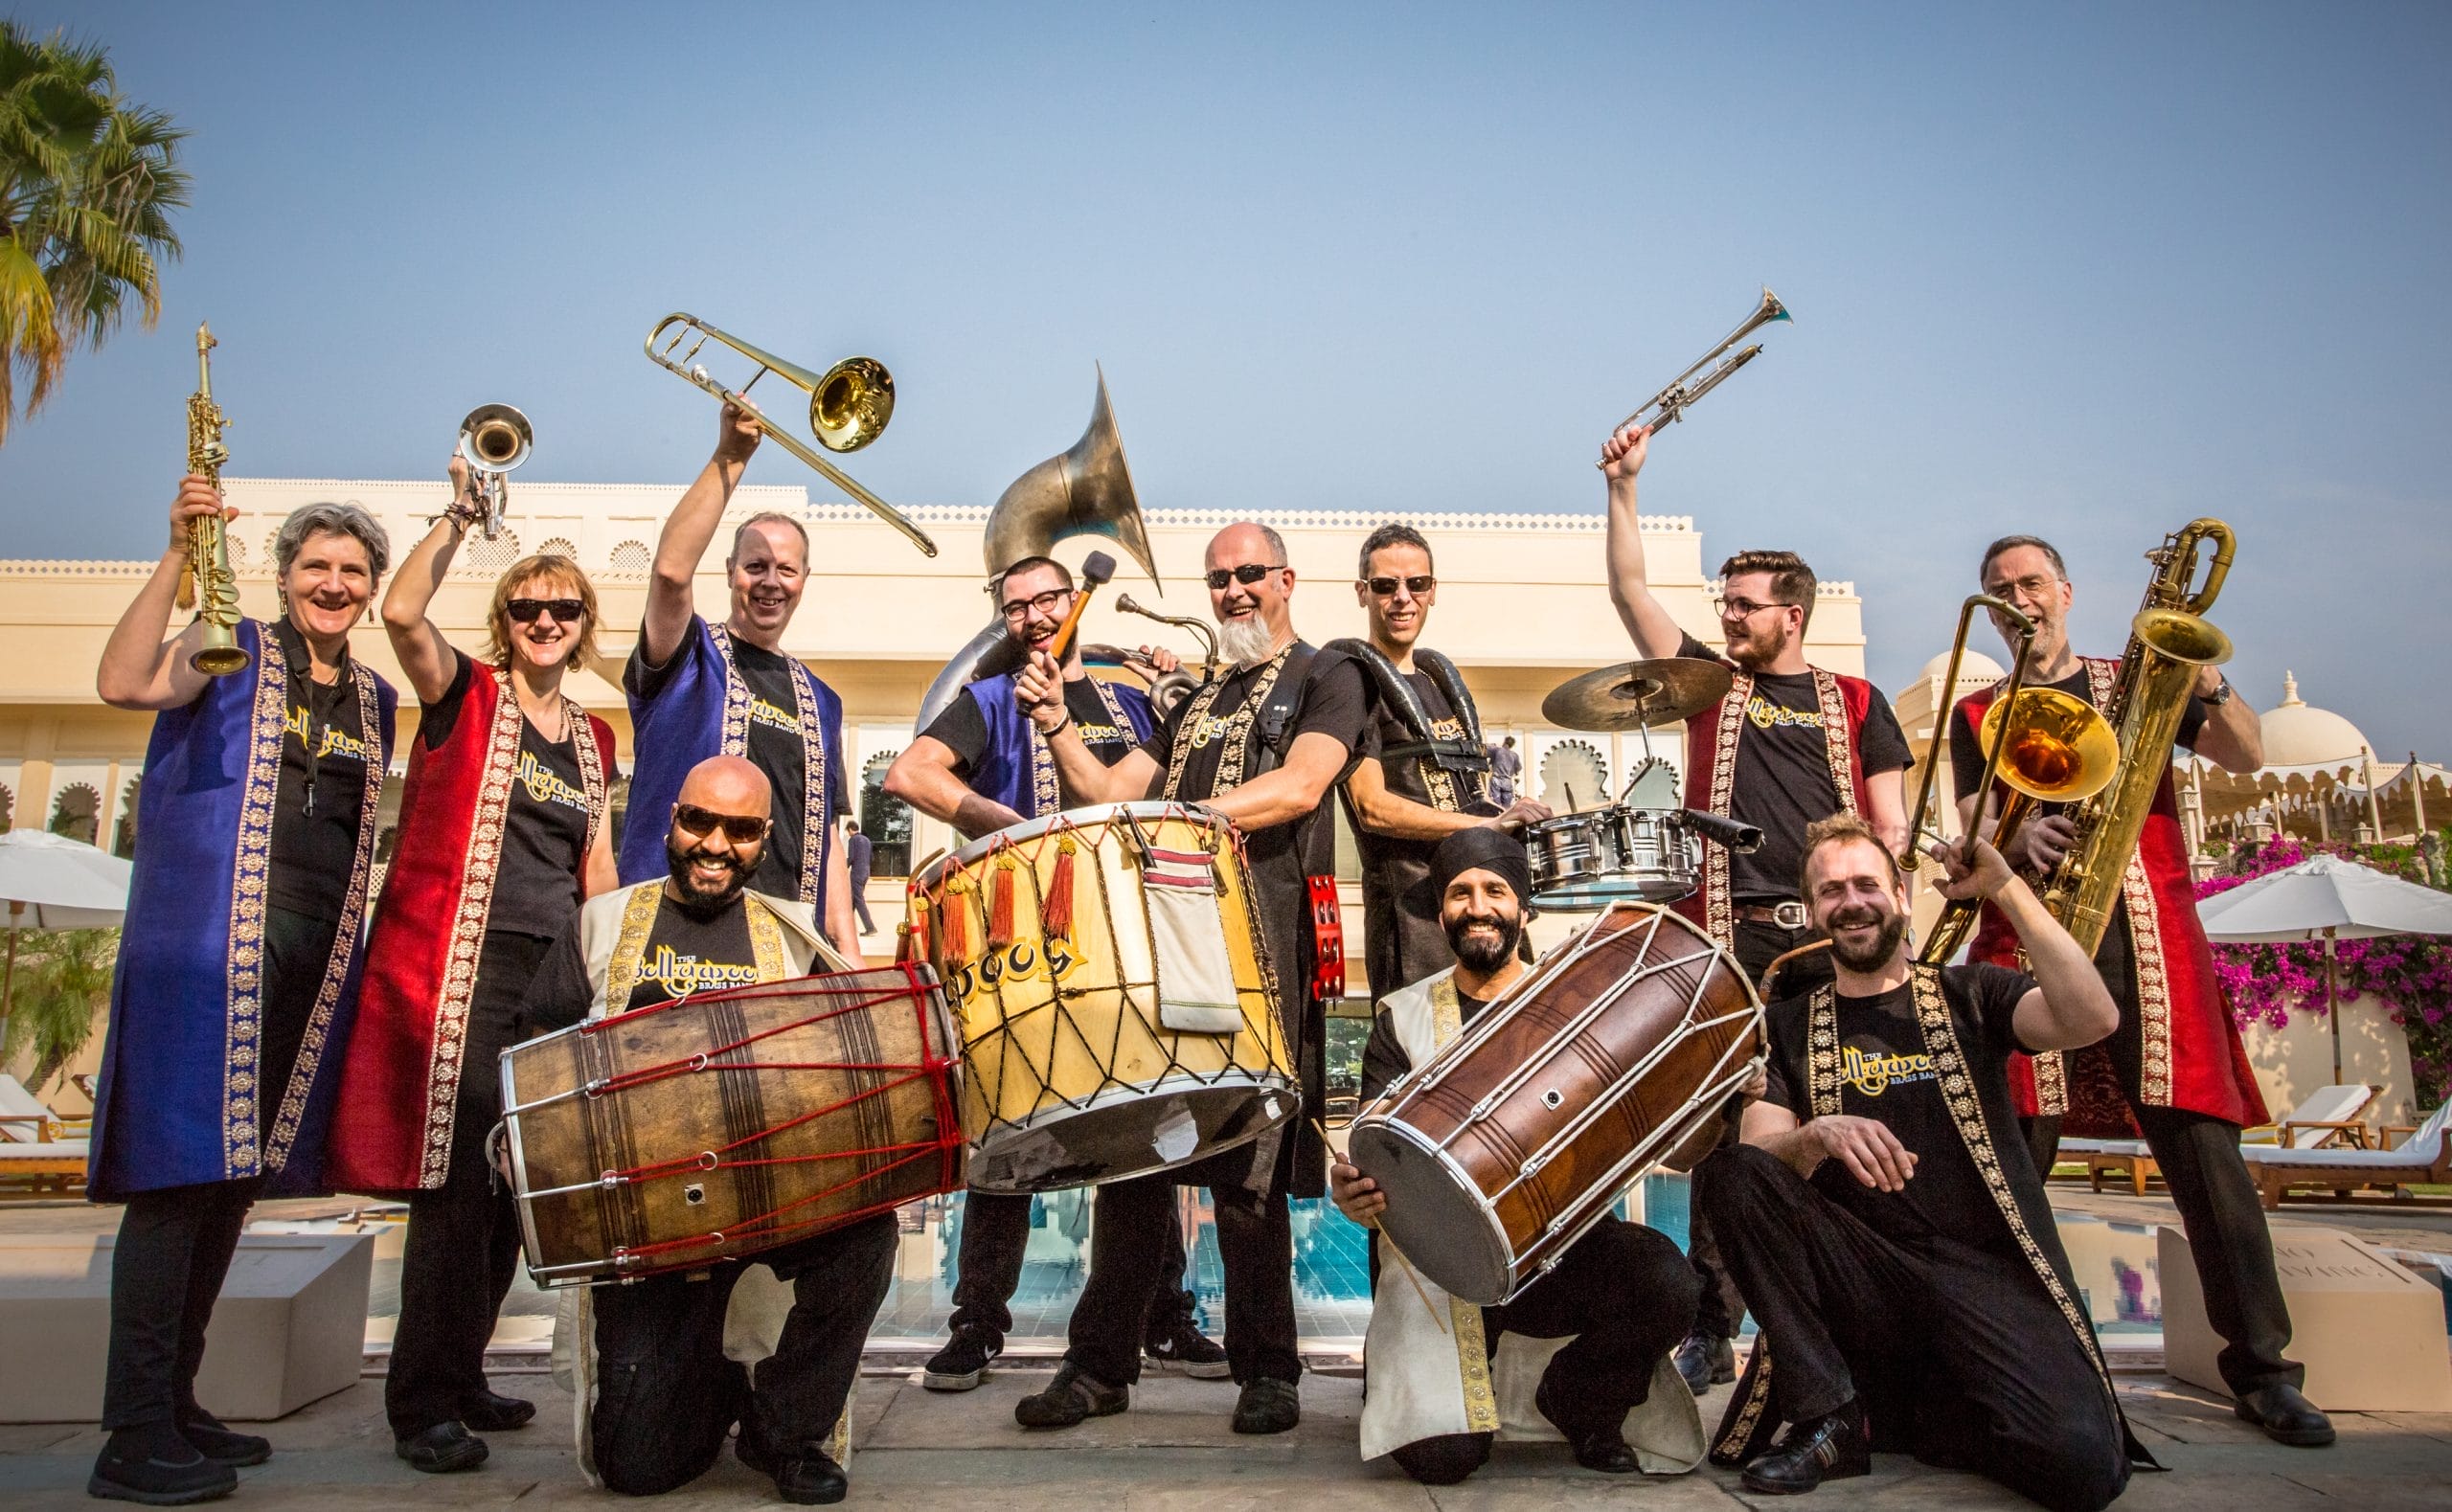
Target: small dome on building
x,y
1974,667
2297,733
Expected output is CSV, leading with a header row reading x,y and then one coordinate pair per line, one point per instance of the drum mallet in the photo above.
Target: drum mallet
x,y
1097,570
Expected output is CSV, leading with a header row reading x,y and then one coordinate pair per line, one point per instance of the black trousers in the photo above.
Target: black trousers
x,y
1628,1297
2228,1238
1757,946
1128,1267
665,1395
175,1243
997,1235
2004,1389
462,1246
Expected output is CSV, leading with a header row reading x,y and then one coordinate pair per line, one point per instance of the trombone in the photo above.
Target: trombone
x,y
1669,405
849,405
493,440
2044,745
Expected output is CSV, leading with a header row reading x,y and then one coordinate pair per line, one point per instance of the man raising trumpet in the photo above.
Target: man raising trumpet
x,y
1887,1230
982,767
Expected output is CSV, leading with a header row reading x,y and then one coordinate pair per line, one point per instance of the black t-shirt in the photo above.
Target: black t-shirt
x,y
1336,703
1384,1060
774,749
686,951
1388,729
544,830
2116,957
963,728
322,788
1783,782
1885,1075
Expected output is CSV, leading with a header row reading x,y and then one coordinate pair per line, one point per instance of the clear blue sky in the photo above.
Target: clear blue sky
x,y
2087,271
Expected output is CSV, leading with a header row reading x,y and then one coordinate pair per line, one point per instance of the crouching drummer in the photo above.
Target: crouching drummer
x,y
1597,1331
657,1391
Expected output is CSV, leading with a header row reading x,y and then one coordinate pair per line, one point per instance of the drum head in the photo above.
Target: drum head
x,y
1434,1215
1129,1131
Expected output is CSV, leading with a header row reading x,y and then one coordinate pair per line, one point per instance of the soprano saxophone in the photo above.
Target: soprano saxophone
x,y
207,575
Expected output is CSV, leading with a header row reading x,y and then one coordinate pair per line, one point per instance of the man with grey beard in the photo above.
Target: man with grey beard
x,y
1261,746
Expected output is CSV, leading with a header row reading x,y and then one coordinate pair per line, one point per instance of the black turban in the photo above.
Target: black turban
x,y
1489,849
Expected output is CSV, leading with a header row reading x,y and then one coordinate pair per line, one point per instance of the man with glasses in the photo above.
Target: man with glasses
x,y
1791,743
1424,773
2174,1068
699,689
1259,746
982,767
660,1392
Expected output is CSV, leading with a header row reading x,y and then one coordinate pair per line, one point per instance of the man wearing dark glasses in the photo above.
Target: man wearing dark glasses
x,y
1424,773
1261,746
663,1394
1791,743
698,689
982,767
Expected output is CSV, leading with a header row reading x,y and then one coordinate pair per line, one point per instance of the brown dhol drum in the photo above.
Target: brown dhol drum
x,y
722,1124
1520,1134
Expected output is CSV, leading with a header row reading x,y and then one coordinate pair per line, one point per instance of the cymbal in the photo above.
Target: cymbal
x,y
1633,694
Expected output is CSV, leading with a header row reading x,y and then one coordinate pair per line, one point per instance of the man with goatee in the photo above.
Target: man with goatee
x,y
1615,1305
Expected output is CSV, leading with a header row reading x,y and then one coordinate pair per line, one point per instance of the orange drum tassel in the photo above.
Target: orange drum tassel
x,y
1055,909
957,932
1000,906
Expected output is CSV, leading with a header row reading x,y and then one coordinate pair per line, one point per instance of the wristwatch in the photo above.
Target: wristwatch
x,y
2222,694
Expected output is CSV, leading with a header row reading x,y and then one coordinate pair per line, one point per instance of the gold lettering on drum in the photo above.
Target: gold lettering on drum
x,y
1023,961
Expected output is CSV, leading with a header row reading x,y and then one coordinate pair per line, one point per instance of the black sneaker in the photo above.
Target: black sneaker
x,y
1071,1396
1832,1447
1705,1361
441,1449
492,1412
1183,1347
214,1441
1267,1406
810,1478
960,1364
157,1469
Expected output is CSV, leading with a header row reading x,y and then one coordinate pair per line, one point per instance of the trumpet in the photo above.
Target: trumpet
x,y
207,575
494,439
1171,688
1669,406
849,405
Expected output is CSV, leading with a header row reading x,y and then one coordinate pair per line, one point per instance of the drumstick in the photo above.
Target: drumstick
x,y
1095,570
1394,1253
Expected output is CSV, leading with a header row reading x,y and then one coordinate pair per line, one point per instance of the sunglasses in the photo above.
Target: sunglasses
x,y
1386,587
566,611
1247,575
739,828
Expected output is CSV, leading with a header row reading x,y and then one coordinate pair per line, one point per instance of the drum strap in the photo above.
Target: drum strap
x,y
1440,760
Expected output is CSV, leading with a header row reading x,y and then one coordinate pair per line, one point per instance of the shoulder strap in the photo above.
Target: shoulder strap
x,y
1277,715
1459,698
1394,691
1399,694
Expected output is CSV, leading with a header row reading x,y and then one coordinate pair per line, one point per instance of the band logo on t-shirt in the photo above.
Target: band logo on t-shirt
x,y
1212,727
328,741
545,785
1765,713
763,712
1873,1074
682,974
1104,734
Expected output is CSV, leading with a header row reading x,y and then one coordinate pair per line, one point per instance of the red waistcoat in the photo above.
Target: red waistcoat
x,y
393,1129
1711,776
2189,1054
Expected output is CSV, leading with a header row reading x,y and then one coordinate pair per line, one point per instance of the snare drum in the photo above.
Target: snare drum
x,y
718,1125
1609,855
1109,980
1519,1135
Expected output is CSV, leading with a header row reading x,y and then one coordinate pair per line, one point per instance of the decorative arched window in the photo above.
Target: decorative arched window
x,y
124,833
558,546
7,808
630,561
477,555
886,820
78,812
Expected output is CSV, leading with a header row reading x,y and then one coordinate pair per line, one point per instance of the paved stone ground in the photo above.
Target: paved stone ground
x,y
1174,1451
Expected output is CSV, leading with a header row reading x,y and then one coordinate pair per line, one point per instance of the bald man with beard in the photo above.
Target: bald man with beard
x,y
659,1393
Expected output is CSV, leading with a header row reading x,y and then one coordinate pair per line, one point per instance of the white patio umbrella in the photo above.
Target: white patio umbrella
x,y
2327,898
50,881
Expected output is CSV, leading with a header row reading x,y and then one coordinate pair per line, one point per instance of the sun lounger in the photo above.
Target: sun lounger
x,y
2422,1158
41,1152
2326,1117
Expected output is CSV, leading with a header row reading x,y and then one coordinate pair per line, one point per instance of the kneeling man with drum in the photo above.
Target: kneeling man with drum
x,y
1883,1163
1606,1316
664,1394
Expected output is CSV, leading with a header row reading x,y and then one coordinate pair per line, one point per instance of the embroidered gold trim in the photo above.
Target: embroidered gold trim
x,y
336,969
2051,1083
631,945
766,939
1731,1445
250,878
1842,752
817,836
1466,1329
1047,793
1234,741
591,777
1719,912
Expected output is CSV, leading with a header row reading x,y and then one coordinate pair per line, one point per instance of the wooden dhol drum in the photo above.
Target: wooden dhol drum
x,y
1112,988
720,1124
1522,1131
